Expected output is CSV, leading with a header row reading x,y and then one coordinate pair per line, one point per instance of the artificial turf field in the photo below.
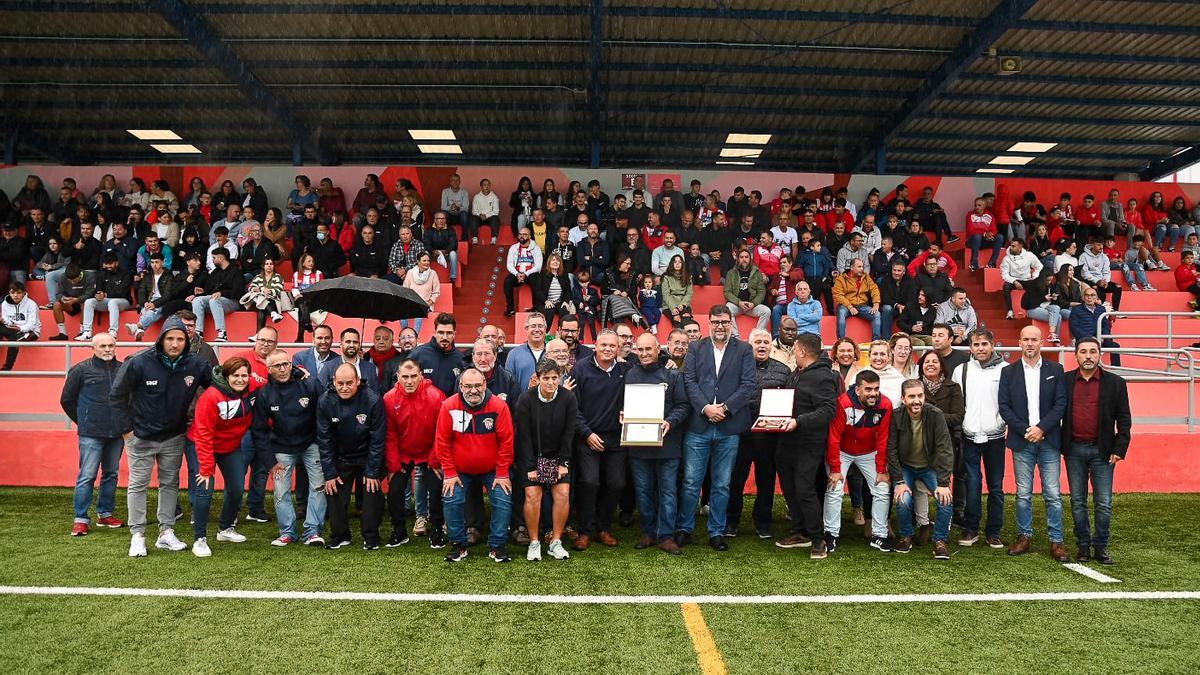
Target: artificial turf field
x,y
1154,543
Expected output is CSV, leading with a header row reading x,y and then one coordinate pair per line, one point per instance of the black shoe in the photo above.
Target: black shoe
x,y
399,538
258,517
954,239
1100,553
731,530
500,555
178,511
510,312
625,519
1083,553
437,538
334,545
457,553
830,542
370,545
883,544
683,538
764,533
718,543
61,337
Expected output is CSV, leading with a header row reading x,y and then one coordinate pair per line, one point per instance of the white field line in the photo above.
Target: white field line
x,y
1091,573
598,599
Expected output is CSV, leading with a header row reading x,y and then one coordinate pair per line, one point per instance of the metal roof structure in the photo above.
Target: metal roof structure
x,y
846,86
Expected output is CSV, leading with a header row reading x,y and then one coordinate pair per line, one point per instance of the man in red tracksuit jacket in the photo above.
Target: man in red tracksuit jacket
x,y
412,410
474,446
858,436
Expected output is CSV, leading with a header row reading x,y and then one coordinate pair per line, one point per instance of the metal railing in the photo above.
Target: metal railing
x,y
1172,337
1183,360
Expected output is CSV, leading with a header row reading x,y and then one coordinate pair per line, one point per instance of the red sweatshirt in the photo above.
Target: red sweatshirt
x,y
259,373
1185,277
856,430
945,264
222,419
980,223
474,441
411,418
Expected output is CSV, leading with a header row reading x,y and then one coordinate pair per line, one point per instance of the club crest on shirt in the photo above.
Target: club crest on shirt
x,y
488,423
361,418
303,402
187,381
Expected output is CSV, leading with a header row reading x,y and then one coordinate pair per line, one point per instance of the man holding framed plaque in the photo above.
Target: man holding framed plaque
x,y
757,448
718,374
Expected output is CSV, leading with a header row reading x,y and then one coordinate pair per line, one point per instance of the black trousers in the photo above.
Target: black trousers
x,y
510,289
597,484
1111,291
800,473
756,449
397,508
339,508
10,357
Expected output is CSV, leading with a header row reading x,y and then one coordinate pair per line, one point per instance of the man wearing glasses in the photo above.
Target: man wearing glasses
x,y
625,345
265,341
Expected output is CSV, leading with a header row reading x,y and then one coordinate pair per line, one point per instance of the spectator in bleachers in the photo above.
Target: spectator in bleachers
x,y
837,238
677,291
328,254
896,291
1018,269
917,319
1028,217
746,289
1041,303
781,288
224,197
84,248
1155,218
221,240
982,231
945,261
1186,278
265,295
113,291
856,294
1180,223
255,251
72,287
423,281
14,253
932,217
1135,263
884,255
442,244
853,250
1041,243
1085,322
1094,270
123,245
661,256
957,313
368,257
19,322
593,253
524,260
485,210
818,268
404,254
222,289
456,202
157,289
64,209
1112,221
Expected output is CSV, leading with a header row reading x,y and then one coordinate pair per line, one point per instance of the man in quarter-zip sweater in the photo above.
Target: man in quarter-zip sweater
x,y
983,432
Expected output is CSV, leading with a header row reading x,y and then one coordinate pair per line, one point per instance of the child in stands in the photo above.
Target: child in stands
x,y
587,303
649,303
1135,263
1186,278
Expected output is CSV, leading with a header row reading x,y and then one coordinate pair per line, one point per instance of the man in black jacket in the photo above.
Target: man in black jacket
x,y
327,253
656,468
285,435
919,450
368,257
222,289
442,244
85,399
800,459
155,388
599,461
442,362
84,249
14,252
1096,436
351,433
113,287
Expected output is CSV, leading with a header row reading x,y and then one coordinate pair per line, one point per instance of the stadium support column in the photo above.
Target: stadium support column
x,y
595,90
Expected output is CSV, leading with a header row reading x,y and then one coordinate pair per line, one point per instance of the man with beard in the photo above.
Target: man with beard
x,y
858,437
919,450
351,345
505,387
320,357
568,332
441,362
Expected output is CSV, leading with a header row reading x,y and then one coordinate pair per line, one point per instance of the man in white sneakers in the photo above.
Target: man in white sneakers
x,y
858,436
983,432
1017,269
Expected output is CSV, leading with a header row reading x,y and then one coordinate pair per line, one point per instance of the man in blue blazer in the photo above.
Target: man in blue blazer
x,y
1033,399
320,357
719,378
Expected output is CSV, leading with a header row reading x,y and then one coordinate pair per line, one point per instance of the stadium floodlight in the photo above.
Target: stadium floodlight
x,y
438,149
742,153
176,148
155,135
747,139
993,171
1030,146
432,135
735,162
1012,160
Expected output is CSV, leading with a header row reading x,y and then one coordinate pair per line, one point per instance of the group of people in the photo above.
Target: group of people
x,y
538,428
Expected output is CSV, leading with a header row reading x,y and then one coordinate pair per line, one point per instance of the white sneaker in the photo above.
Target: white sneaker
x,y
231,535
112,332
84,336
1008,314
276,317
169,542
493,241
132,328
200,548
1148,287
534,553
137,546
1135,287
421,526
556,550
474,240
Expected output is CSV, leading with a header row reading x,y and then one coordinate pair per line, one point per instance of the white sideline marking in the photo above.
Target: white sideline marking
x,y
1091,573
598,599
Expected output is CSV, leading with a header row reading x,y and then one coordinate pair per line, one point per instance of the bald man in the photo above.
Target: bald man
x,y
351,435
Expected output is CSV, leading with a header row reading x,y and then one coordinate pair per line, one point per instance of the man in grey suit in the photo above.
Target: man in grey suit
x,y
719,377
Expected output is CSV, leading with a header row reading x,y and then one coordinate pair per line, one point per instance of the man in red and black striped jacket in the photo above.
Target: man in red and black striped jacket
x,y
858,436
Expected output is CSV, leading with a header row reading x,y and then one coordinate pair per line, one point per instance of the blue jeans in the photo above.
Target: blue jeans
x,y
887,319
219,308
147,317
233,472
991,454
52,280
456,522
1048,461
710,452
1133,275
976,242
1084,462
865,312
285,511
97,455
777,312
1052,314
904,509
654,482
114,307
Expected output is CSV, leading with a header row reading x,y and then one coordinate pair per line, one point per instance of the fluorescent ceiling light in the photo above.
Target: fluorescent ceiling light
x,y
1012,160
176,148
994,171
749,139
741,152
735,163
431,149
432,135
1029,146
155,134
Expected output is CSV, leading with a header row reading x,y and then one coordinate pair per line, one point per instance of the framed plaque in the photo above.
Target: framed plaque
x,y
643,414
774,410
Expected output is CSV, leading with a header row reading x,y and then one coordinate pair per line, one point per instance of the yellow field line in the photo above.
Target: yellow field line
x,y
707,654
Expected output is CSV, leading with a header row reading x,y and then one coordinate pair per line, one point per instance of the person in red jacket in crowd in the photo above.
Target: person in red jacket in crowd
x,y
945,262
838,213
222,419
983,230
858,437
652,232
1186,278
412,411
474,446
1088,221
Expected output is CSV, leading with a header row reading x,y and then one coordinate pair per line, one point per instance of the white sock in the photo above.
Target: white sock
x,y
62,328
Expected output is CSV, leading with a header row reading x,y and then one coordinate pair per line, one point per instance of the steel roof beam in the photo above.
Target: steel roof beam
x,y
1168,165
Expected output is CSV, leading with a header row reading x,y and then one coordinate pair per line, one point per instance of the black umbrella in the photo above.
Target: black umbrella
x,y
365,298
